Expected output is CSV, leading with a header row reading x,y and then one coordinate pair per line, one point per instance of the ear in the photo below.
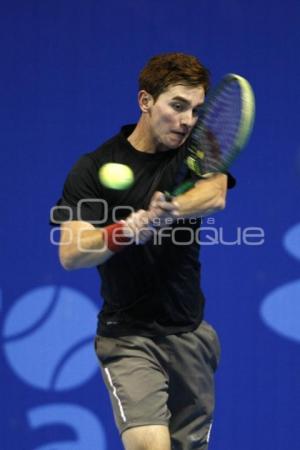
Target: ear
x,y
145,101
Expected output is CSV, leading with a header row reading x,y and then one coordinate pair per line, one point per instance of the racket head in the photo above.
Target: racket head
x,y
223,128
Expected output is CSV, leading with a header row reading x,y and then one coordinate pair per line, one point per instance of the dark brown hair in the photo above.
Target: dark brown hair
x,y
168,69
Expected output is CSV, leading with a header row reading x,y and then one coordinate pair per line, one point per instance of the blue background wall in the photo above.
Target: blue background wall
x,y
68,82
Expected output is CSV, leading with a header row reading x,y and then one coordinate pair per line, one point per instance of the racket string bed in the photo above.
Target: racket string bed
x,y
222,130
216,131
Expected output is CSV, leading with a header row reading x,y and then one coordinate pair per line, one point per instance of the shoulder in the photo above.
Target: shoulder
x,y
92,160
108,151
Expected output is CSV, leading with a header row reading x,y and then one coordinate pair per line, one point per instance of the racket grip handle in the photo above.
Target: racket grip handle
x,y
181,189
169,197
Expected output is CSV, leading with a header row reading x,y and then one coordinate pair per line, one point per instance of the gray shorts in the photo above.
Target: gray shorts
x,y
165,380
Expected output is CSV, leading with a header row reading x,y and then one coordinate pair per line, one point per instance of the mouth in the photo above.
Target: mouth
x,y
180,133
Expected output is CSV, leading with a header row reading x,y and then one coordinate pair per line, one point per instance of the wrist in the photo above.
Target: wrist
x,y
114,237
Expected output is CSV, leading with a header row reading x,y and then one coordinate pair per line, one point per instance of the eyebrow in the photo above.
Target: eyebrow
x,y
184,100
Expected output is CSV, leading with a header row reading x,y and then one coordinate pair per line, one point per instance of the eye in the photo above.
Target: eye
x,y
177,106
196,111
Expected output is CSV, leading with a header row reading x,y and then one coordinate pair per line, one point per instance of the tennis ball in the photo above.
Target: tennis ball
x,y
116,176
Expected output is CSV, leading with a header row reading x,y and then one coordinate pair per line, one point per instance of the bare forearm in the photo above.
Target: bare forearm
x,y
207,197
82,245
86,249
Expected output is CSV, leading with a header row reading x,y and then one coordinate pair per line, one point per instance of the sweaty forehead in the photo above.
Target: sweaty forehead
x,y
191,94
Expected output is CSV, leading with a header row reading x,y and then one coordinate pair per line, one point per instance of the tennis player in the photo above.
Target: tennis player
x,y
157,354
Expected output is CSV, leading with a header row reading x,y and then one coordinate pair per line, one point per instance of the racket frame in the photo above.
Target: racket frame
x,y
241,139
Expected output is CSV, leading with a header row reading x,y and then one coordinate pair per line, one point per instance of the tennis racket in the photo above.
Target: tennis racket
x,y
222,130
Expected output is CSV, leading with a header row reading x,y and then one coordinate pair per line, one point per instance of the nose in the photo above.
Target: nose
x,y
188,119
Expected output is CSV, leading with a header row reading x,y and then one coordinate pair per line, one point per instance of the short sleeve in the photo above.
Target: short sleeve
x,y
81,197
231,181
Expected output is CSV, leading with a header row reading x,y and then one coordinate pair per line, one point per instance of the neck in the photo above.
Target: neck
x,y
142,139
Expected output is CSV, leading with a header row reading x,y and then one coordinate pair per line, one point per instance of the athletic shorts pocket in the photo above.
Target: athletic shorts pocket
x,y
105,348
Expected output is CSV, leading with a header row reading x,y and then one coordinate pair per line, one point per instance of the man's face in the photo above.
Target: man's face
x,y
173,115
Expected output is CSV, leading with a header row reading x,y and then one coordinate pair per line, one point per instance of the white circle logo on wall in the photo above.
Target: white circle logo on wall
x,y
48,338
280,309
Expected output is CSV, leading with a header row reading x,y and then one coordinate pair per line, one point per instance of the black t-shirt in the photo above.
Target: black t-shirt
x,y
151,289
